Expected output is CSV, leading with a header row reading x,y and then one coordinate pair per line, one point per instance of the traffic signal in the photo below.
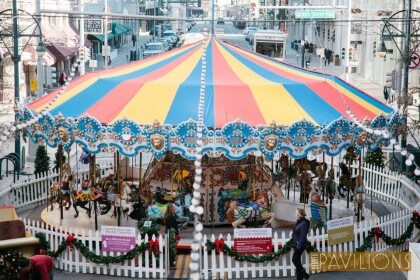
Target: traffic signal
x,y
374,49
390,79
82,55
350,53
343,53
87,53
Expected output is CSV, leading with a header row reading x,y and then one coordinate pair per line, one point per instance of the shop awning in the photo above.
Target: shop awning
x,y
30,57
119,29
100,37
63,53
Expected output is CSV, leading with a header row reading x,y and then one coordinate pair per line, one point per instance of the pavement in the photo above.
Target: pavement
x,y
379,207
341,275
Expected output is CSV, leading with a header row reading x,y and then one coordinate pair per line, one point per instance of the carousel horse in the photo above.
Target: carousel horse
x,y
101,197
318,212
287,171
83,198
62,194
238,214
125,199
305,180
157,210
346,182
304,164
225,196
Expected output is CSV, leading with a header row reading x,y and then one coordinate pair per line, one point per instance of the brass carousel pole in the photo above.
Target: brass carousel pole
x,y
212,195
253,177
140,182
60,162
332,178
323,173
95,203
119,187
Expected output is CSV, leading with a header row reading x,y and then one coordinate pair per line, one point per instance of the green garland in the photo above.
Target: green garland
x,y
10,263
377,232
367,244
173,243
84,250
150,231
258,259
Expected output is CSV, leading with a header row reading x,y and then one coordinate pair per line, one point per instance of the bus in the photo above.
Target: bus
x,y
270,43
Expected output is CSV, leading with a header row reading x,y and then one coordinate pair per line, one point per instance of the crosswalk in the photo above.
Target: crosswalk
x,y
182,264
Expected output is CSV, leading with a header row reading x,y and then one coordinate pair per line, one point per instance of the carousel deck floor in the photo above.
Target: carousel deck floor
x,y
83,222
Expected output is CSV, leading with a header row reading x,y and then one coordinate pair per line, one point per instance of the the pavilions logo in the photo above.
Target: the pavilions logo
x,y
360,261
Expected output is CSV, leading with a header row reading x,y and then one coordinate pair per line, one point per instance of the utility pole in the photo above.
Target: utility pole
x,y
107,51
347,70
16,59
39,68
407,60
302,44
82,37
212,18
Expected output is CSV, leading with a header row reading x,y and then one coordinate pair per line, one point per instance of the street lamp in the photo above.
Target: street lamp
x,y
406,54
14,14
382,50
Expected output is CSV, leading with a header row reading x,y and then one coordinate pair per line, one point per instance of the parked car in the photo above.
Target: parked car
x,y
172,36
165,43
250,36
220,20
152,49
249,28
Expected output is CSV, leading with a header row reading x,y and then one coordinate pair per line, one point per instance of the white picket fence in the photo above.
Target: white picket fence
x,y
221,266
144,266
32,193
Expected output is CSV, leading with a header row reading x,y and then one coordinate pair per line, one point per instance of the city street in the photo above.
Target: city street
x,y
210,139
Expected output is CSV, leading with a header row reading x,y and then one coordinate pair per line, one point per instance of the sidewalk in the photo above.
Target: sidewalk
x,y
342,275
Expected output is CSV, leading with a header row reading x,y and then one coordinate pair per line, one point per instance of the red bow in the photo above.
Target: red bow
x,y
178,237
416,214
377,230
219,245
154,246
70,240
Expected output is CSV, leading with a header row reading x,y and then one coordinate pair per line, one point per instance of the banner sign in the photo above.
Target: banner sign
x,y
314,14
340,230
118,239
94,26
253,240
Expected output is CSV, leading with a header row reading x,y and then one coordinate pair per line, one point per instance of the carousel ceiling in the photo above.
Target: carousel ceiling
x,y
246,95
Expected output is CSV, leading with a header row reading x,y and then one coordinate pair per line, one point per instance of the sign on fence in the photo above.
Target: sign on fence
x,y
253,240
340,230
118,239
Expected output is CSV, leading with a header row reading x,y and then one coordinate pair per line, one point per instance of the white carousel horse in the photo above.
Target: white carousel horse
x,y
238,214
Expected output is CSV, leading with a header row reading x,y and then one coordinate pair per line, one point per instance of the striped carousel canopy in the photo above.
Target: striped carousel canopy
x,y
239,85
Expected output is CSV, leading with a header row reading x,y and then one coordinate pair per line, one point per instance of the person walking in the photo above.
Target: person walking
x,y
39,267
299,236
134,39
171,219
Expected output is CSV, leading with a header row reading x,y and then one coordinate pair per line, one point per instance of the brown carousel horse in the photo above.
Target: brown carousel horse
x,y
325,184
346,182
304,164
83,198
62,194
305,180
287,171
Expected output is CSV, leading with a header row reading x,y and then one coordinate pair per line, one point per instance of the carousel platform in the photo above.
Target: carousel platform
x,y
83,223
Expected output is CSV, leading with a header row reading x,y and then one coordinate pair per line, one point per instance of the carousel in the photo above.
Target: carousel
x,y
249,120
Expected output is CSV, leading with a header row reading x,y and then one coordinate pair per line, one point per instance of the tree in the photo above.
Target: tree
x,y
42,160
375,157
59,153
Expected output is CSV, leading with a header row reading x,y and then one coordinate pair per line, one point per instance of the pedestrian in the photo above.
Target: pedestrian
x,y
300,232
134,39
62,78
170,219
326,55
38,267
